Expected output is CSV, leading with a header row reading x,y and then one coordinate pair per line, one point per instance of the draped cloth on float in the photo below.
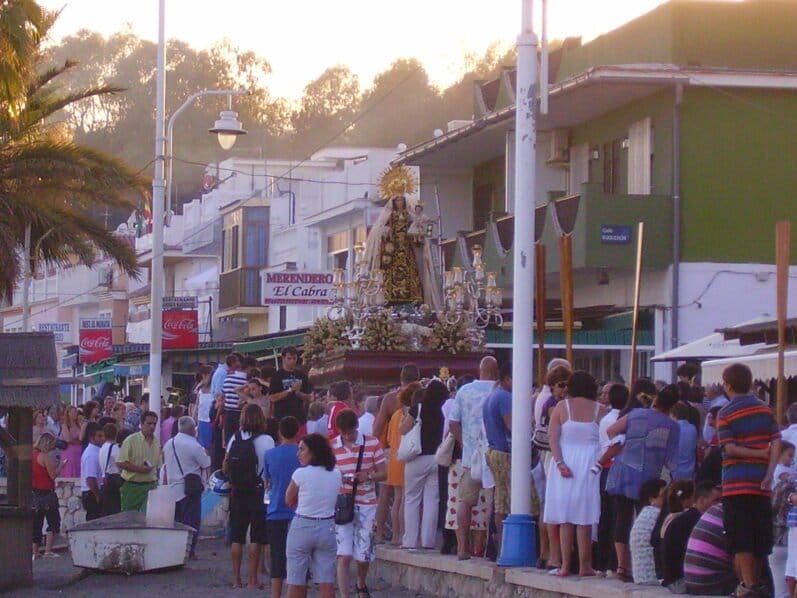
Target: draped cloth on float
x,y
392,223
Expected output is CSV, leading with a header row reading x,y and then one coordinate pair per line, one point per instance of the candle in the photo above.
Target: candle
x,y
337,276
459,276
479,272
491,282
477,255
449,280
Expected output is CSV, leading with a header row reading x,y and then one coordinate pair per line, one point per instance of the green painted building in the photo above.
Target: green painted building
x,y
683,119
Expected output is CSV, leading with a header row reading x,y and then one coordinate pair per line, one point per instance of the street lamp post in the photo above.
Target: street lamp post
x,y
518,547
227,128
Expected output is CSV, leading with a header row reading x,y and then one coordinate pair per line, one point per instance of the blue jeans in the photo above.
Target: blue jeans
x,y
189,511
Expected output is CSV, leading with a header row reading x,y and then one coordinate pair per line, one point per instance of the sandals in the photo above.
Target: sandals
x,y
624,575
363,591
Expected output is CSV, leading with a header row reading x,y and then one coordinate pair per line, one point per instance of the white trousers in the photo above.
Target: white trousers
x,y
420,488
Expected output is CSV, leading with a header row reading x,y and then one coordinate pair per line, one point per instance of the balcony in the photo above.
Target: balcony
x,y
604,229
240,288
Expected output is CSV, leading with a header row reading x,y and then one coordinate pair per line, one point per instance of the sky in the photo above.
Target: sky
x,y
301,38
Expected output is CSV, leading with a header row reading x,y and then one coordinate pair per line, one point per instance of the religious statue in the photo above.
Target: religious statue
x,y
403,256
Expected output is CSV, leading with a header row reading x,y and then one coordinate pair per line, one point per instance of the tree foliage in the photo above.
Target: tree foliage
x,y
47,181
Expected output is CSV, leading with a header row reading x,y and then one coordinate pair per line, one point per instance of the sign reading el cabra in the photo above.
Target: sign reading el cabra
x,y
297,288
180,323
96,339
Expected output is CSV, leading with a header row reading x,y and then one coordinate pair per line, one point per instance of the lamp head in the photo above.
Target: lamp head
x,y
227,128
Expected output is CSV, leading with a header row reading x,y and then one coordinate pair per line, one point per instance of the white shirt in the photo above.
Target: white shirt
x,y
603,426
467,410
446,409
263,443
318,490
90,467
204,403
367,424
318,426
103,458
193,459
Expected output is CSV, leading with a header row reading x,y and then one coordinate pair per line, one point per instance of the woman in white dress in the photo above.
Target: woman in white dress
x,y
572,492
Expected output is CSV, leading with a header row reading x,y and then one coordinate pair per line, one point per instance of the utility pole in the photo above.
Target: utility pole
x,y
518,548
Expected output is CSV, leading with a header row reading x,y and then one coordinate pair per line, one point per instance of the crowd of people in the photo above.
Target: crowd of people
x,y
659,484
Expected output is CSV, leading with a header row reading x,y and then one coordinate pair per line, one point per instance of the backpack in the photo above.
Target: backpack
x,y
242,465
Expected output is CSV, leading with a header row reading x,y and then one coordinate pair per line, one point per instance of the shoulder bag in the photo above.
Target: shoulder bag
x,y
194,485
344,505
410,445
444,455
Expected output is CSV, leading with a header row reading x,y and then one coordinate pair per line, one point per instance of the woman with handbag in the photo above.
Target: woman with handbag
x,y
421,491
111,502
361,462
70,434
311,542
46,468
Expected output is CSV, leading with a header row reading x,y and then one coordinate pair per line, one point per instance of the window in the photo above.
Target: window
x,y
283,317
338,250
639,162
612,166
256,225
234,249
224,261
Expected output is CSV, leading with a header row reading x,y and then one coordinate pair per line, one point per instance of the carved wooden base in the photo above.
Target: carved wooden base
x,y
377,370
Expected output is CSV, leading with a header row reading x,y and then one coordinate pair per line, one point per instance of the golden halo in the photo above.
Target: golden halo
x,y
398,180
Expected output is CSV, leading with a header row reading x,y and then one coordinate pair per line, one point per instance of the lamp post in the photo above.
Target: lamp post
x,y
227,128
518,547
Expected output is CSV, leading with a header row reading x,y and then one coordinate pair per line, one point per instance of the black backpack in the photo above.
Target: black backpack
x,y
242,465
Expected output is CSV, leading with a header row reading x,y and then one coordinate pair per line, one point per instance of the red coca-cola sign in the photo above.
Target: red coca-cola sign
x,y
180,329
96,340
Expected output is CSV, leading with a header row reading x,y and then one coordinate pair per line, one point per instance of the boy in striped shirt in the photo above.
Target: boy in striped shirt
x,y
750,442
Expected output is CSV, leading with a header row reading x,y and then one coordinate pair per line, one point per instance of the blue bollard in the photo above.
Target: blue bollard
x,y
518,542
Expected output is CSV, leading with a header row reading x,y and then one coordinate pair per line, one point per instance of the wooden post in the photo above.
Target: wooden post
x,y
539,255
637,289
782,250
566,280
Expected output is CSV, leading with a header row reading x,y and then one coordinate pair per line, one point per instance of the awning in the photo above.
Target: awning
x,y
269,344
102,371
131,368
764,366
582,339
713,346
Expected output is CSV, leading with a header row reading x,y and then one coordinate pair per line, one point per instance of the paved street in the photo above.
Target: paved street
x,y
210,575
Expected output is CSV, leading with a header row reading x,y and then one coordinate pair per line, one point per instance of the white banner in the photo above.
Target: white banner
x,y
179,302
297,288
62,331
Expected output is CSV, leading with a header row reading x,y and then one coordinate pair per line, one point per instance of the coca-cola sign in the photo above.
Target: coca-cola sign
x,y
96,340
180,329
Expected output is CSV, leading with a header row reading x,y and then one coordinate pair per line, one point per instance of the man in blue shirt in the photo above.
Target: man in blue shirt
x,y
280,464
497,414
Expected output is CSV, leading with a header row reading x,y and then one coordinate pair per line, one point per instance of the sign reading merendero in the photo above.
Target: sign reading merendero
x,y
297,288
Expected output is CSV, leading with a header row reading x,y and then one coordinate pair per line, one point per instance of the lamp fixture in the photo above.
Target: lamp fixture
x,y
227,128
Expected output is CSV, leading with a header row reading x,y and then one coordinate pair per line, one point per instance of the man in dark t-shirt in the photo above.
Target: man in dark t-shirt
x,y
290,389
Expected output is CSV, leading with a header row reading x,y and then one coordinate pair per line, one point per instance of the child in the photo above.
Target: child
x,y
784,470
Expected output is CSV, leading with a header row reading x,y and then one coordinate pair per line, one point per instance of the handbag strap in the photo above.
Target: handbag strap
x,y
108,458
356,471
174,450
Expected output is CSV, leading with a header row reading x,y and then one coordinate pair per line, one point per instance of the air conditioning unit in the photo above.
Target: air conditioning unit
x,y
105,276
558,154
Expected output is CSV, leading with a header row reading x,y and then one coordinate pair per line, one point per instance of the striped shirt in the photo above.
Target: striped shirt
x,y
346,462
708,565
746,422
232,381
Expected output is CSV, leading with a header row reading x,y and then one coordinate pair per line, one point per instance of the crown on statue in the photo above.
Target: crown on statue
x,y
398,180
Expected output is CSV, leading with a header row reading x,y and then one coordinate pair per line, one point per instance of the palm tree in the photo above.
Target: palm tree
x,y
47,182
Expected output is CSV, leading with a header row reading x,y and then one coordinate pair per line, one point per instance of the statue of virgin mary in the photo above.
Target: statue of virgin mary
x,y
404,259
